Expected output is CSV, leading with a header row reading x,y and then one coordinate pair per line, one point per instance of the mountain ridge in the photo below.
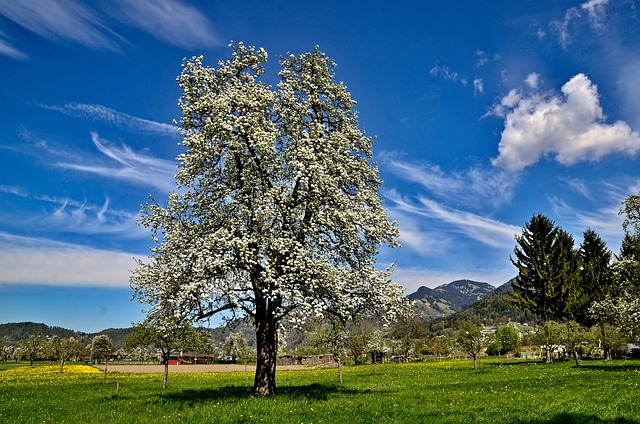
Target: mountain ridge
x,y
449,298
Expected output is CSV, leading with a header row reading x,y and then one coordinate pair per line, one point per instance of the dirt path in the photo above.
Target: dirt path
x,y
159,369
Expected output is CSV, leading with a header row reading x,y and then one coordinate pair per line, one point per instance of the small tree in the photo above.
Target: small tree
x,y
32,347
439,345
471,340
550,335
7,352
102,348
573,338
408,327
165,335
235,346
508,339
359,338
63,349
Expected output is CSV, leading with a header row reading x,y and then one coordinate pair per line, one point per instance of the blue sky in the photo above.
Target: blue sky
x,y
484,114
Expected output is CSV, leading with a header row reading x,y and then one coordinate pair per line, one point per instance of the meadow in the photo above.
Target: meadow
x,y
434,392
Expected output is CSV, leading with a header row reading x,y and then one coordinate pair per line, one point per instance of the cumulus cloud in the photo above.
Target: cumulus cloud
x,y
532,80
569,127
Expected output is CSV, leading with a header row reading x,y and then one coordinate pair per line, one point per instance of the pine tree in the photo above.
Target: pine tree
x,y
547,266
596,277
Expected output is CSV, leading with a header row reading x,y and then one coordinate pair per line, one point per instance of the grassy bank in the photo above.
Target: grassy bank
x,y
443,392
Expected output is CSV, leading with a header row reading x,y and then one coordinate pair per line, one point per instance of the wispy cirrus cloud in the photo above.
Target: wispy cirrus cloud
x,y
62,264
167,20
90,24
596,14
126,164
487,231
477,186
112,117
8,50
72,216
443,71
59,21
597,207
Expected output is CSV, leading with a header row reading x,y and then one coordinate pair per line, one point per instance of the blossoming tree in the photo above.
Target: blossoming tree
x,y
277,213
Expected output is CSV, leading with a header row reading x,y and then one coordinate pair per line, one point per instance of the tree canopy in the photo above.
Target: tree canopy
x,y
277,212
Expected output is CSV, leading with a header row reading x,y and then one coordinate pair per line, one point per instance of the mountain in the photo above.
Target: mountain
x,y
448,299
491,310
14,332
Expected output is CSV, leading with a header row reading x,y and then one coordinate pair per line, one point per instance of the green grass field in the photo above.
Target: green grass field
x,y
438,392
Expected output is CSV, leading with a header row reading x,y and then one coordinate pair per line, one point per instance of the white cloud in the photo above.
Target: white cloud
x,y
568,127
482,58
113,117
167,20
26,260
67,215
60,21
425,242
89,25
478,86
443,71
532,80
10,51
596,12
133,167
477,186
486,231
562,28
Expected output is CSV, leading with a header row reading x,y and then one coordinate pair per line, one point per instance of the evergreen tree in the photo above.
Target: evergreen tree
x,y
548,268
596,277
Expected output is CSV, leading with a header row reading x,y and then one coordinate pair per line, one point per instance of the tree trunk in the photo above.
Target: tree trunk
x,y
549,356
267,350
61,365
576,357
105,371
165,378
475,362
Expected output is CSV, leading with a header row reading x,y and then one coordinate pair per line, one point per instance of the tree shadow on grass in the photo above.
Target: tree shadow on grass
x,y
586,366
514,363
578,418
314,391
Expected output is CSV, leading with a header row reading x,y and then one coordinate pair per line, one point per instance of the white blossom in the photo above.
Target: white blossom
x,y
276,212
